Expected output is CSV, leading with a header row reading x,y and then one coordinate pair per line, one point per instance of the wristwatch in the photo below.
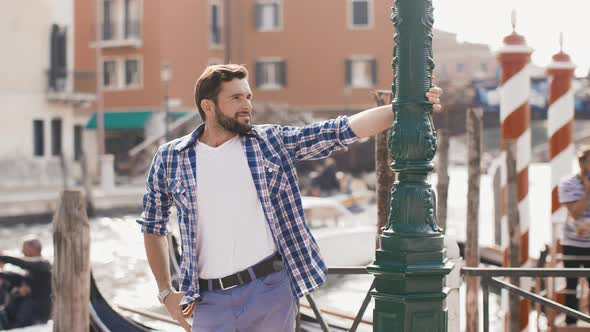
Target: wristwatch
x,y
163,294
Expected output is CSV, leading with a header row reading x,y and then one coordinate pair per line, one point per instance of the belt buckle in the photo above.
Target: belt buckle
x,y
223,287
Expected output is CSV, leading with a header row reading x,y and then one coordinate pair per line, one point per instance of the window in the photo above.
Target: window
x,y
268,15
443,73
460,67
271,74
78,130
361,72
131,19
122,73
38,138
56,146
215,21
360,13
121,19
109,74
132,72
108,12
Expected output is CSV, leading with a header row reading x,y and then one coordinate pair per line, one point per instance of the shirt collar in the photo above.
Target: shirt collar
x,y
190,139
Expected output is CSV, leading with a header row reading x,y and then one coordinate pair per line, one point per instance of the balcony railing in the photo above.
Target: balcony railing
x,y
75,86
119,33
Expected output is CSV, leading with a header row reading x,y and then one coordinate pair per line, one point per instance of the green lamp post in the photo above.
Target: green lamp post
x,y
410,265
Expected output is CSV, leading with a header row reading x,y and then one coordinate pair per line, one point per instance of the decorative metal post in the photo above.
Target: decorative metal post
x,y
410,266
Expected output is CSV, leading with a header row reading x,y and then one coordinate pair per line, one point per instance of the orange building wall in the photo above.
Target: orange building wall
x,y
315,42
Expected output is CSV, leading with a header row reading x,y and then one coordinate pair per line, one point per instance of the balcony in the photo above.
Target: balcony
x,y
71,86
115,34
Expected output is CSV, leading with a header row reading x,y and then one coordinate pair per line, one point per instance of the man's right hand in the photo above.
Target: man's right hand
x,y
172,303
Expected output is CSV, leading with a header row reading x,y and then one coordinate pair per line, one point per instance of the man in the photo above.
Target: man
x,y
247,253
573,194
33,297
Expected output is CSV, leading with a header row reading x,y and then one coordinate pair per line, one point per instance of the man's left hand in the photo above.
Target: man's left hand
x,y
433,96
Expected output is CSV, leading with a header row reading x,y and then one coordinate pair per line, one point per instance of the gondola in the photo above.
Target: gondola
x,y
103,318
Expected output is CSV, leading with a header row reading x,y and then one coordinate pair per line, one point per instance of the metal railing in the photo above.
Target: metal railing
x,y
488,277
64,84
348,270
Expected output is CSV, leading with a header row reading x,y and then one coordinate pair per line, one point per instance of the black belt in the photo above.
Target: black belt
x,y
262,269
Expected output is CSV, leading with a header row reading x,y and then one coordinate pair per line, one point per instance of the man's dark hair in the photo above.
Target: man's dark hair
x,y
583,154
209,83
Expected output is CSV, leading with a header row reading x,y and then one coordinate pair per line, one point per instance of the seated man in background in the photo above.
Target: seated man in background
x,y
573,194
30,301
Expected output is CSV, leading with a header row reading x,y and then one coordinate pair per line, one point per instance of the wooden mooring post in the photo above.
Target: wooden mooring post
x,y
384,173
71,267
474,128
514,233
442,174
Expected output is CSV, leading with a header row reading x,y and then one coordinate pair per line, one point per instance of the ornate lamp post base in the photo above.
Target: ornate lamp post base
x,y
409,292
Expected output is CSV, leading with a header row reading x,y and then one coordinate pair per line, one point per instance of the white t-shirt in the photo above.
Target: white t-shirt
x,y
232,231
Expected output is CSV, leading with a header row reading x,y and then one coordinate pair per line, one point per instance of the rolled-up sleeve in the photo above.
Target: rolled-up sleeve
x,y
156,200
318,140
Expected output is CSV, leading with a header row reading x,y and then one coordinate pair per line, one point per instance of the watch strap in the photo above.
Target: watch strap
x,y
163,294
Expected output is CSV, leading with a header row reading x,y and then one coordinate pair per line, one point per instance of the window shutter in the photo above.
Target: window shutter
x,y
374,71
53,41
38,138
62,53
283,73
348,72
127,19
56,136
258,17
276,14
360,12
259,73
215,35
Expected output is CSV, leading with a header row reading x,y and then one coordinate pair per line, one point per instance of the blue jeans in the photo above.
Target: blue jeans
x,y
264,304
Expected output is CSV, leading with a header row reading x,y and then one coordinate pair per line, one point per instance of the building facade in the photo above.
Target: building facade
x,y
44,133
319,57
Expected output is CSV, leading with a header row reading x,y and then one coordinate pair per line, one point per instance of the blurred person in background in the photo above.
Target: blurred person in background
x,y
574,194
326,180
29,298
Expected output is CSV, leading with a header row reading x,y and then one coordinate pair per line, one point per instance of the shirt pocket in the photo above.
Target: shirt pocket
x,y
276,178
179,194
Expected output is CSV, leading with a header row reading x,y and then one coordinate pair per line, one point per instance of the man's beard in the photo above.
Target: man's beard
x,y
232,124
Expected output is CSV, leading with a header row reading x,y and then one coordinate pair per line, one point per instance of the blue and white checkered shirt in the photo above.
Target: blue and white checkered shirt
x,y
271,155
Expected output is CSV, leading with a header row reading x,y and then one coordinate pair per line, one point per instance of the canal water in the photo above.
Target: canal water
x,y
123,275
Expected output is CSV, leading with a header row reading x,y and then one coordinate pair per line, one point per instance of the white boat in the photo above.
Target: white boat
x,y
344,239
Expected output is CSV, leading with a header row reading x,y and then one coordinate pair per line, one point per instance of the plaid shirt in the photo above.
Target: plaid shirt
x,y
271,152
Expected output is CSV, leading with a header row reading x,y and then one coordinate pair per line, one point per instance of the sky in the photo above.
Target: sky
x,y
539,21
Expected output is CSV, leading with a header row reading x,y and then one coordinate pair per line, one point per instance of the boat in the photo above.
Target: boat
x,y
343,240
103,318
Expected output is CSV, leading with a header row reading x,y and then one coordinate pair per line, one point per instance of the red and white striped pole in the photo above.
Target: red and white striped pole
x,y
515,117
560,123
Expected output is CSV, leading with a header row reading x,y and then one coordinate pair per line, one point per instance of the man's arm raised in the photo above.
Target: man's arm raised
x,y
375,120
